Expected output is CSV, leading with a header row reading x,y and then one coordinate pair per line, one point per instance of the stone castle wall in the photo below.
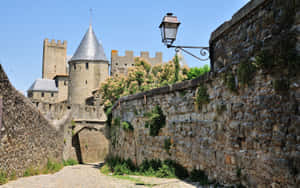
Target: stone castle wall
x,y
250,136
260,25
27,139
120,64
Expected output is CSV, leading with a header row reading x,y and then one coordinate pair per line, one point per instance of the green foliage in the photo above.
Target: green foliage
x,y
199,176
117,121
153,167
108,112
127,126
167,145
245,72
230,82
73,124
202,96
70,162
155,120
177,69
197,71
142,77
281,85
53,166
31,172
3,178
12,176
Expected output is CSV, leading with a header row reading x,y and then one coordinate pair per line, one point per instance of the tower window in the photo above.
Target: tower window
x,y
65,82
86,82
52,94
125,64
74,66
43,94
86,66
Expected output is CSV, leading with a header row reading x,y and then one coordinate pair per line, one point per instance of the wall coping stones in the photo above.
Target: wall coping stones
x,y
242,13
188,84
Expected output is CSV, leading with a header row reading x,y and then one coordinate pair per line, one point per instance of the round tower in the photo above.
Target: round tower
x,y
87,68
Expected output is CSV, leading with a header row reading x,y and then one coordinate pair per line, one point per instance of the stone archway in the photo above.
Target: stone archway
x,y
91,145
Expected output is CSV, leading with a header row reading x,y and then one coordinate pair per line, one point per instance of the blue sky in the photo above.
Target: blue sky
x,y
121,25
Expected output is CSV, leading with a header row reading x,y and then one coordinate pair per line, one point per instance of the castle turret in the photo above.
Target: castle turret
x,y
87,68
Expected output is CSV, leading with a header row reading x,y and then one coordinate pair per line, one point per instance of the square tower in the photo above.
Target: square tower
x,y
54,58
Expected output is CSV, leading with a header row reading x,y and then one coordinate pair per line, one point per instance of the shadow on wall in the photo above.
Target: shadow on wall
x,y
76,145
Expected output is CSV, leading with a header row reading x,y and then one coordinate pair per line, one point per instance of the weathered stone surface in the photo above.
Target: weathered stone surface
x,y
27,139
257,134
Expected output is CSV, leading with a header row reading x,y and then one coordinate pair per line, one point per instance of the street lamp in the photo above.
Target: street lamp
x,y
169,27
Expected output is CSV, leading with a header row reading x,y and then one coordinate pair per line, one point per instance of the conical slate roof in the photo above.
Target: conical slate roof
x,y
89,48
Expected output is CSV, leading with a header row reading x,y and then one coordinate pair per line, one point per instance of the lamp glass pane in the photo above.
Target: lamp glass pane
x,y
170,33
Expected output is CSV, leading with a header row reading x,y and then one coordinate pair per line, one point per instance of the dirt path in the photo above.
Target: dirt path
x,y
88,176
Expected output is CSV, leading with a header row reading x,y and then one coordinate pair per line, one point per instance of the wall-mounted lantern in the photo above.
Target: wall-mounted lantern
x,y
169,27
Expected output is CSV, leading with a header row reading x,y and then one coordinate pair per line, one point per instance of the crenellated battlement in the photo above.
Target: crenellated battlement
x,y
120,64
54,58
53,43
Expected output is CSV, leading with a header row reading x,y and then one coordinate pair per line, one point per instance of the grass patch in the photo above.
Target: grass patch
x,y
153,167
3,178
70,162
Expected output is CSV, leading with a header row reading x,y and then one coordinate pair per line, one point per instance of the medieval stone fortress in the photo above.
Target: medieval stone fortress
x,y
237,125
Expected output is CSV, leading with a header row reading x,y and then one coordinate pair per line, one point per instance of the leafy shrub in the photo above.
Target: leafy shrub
x,y
202,96
156,120
142,77
127,126
70,162
3,178
153,167
245,72
195,72
165,172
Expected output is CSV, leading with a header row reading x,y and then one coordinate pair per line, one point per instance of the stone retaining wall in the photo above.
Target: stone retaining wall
x,y
250,136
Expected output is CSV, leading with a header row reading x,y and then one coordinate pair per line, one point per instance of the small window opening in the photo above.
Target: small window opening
x,y
74,66
86,82
43,94
86,66
132,64
52,94
125,64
